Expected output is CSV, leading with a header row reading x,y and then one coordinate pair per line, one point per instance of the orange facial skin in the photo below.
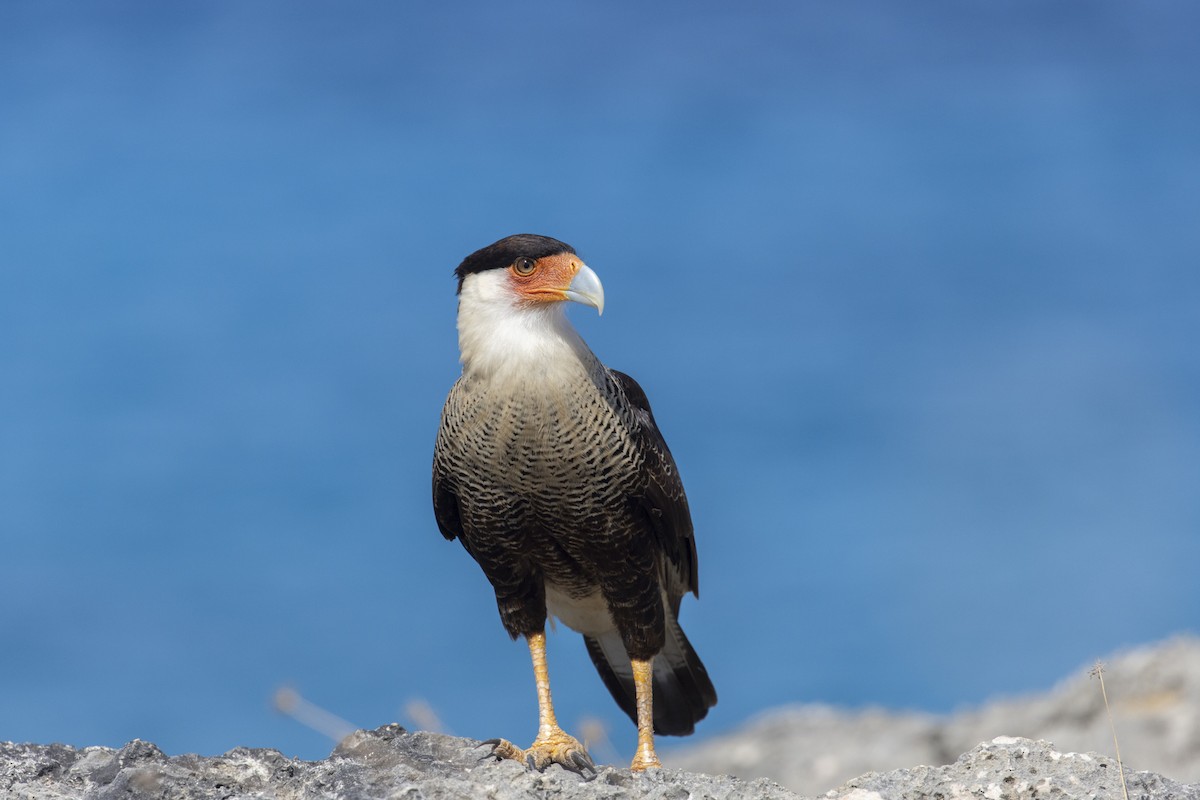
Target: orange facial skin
x,y
548,280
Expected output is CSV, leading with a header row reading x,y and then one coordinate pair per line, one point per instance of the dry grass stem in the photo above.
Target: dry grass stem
x,y
424,717
288,701
1098,672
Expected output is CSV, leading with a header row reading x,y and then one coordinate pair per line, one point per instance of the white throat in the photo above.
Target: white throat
x,y
499,337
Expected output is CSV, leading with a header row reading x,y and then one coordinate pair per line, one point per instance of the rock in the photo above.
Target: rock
x,y
392,764
811,749
1014,769
1154,693
385,763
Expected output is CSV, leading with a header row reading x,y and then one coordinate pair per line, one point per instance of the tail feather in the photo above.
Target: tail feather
x,y
683,692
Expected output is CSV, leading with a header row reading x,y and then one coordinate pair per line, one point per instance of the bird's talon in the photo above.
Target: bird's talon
x,y
582,762
556,748
502,749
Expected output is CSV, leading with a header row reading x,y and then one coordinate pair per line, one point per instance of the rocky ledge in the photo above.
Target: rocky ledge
x,y
393,763
1154,694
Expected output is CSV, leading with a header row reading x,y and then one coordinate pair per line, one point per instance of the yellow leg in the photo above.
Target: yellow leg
x,y
547,723
643,682
553,745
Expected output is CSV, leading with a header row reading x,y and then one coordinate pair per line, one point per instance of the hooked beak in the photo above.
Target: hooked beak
x,y
586,288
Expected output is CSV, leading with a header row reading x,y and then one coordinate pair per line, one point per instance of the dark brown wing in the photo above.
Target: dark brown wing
x,y
683,692
445,507
663,501
445,500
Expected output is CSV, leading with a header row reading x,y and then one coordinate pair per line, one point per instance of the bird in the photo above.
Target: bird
x,y
551,471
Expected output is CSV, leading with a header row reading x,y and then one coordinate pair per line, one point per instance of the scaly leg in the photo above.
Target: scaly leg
x,y
643,682
553,745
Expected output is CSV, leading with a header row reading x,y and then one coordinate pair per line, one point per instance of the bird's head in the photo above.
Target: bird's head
x,y
528,271
510,307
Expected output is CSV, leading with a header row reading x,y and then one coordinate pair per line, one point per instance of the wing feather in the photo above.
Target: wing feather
x,y
445,498
663,500
445,507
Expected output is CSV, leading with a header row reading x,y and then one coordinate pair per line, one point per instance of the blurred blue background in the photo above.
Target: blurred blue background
x,y
913,288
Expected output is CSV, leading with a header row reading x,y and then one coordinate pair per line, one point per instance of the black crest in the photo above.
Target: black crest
x,y
504,252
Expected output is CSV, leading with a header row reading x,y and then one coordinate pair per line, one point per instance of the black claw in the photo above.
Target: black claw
x,y
582,762
492,743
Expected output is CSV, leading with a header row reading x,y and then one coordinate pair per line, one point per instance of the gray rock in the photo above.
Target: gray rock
x,y
1015,769
392,764
810,749
1154,693
386,763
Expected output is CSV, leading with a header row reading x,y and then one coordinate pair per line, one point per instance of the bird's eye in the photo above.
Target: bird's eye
x,y
524,266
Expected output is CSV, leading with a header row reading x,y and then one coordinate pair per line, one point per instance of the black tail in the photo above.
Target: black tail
x,y
683,692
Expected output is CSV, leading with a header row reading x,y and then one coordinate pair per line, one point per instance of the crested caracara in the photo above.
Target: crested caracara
x,y
551,471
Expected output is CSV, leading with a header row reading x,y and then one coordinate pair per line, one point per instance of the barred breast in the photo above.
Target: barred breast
x,y
542,470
